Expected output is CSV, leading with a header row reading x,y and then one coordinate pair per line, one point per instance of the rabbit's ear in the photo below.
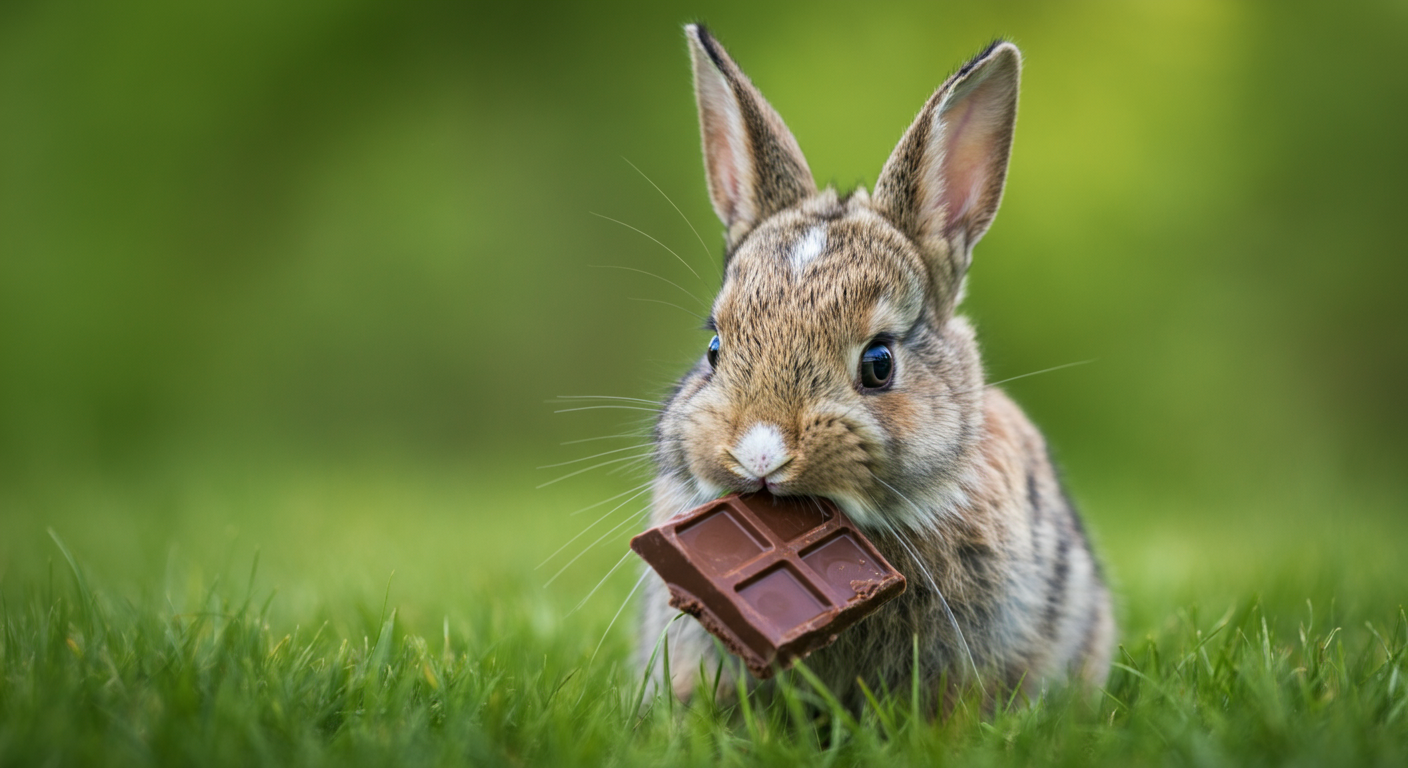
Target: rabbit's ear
x,y
753,163
943,183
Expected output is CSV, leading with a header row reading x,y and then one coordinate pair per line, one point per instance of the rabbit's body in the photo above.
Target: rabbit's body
x,y
821,296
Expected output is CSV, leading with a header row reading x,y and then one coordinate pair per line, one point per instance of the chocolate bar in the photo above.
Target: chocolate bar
x,y
773,577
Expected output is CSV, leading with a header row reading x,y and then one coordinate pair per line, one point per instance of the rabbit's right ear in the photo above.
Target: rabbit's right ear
x,y
943,183
752,161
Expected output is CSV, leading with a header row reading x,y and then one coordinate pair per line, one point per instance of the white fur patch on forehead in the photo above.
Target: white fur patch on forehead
x,y
761,451
810,246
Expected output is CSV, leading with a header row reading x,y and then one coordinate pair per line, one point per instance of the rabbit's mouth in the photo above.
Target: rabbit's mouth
x,y
742,482
791,485
777,483
756,485
773,487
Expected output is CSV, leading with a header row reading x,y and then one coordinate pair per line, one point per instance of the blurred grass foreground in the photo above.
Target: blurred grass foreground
x,y
285,290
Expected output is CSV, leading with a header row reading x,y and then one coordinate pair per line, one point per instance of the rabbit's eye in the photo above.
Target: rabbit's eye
x,y
713,353
877,366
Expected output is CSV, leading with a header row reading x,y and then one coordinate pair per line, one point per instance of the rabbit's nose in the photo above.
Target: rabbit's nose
x,y
761,451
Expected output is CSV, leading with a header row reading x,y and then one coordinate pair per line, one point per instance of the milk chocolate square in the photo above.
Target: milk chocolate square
x,y
773,577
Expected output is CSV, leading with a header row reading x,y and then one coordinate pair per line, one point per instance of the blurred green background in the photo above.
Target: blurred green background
x,y
301,276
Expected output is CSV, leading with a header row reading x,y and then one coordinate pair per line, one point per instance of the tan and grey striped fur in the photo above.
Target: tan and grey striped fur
x,y
946,475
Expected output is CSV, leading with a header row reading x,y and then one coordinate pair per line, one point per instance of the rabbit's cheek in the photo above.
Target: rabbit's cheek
x,y
897,413
832,456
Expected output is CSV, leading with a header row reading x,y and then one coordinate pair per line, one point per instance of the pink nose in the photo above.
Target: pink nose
x,y
760,451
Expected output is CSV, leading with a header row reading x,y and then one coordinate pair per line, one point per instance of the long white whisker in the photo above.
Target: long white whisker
x,y
597,456
599,407
686,291
952,620
605,437
645,573
607,397
594,523
662,245
669,304
631,466
641,580
584,600
624,603
1033,373
588,548
608,500
707,254
588,469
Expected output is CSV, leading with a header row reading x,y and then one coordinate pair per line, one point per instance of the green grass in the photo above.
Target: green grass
x,y
237,620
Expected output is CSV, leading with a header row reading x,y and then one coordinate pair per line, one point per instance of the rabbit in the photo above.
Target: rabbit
x,y
840,369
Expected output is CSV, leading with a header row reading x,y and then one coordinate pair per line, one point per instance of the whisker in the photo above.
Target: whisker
x,y
606,397
1033,373
605,501
662,245
588,528
631,466
588,469
624,603
952,620
599,455
707,253
584,600
948,612
590,546
605,437
686,291
644,573
668,304
598,407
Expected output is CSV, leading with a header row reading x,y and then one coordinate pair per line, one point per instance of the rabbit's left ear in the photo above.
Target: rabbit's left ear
x,y
943,183
752,161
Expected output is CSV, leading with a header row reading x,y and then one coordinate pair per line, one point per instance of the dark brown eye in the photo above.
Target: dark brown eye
x,y
877,366
713,353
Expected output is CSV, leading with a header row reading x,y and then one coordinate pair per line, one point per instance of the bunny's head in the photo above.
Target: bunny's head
x,y
838,367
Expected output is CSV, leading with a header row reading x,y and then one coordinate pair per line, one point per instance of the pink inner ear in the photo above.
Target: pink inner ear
x,y
725,148
723,161
967,162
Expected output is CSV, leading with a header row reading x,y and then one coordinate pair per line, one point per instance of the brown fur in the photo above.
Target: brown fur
x,y
947,476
